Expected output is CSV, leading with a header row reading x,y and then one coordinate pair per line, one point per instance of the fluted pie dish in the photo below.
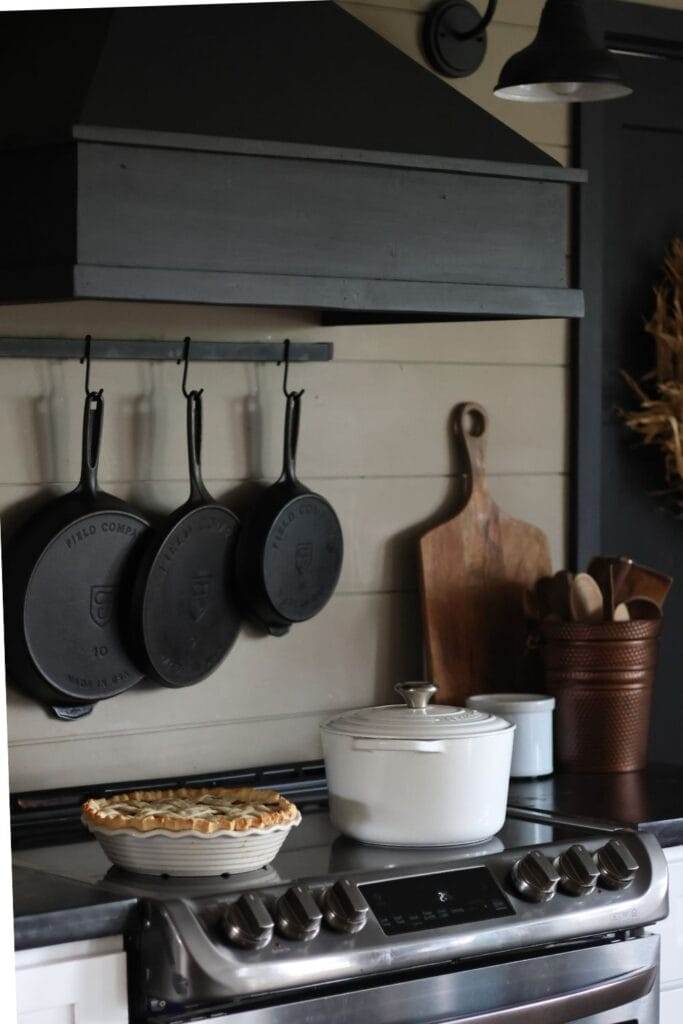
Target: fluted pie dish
x,y
185,832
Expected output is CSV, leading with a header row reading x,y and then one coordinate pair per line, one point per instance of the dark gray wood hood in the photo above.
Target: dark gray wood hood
x,y
264,155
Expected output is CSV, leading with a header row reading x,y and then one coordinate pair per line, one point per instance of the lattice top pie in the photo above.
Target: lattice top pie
x,y
197,810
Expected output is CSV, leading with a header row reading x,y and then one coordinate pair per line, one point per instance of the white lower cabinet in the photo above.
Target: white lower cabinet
x,y
671,933
73,983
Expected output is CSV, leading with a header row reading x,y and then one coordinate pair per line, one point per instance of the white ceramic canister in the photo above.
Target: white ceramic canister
x,y
532,713
418,774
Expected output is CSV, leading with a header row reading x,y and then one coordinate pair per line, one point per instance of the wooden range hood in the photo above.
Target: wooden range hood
x,y
265,155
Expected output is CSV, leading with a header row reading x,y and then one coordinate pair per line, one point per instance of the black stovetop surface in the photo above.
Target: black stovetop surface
x,y
313,850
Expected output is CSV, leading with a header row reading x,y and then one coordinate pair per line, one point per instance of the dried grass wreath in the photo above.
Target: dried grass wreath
x,y
658,420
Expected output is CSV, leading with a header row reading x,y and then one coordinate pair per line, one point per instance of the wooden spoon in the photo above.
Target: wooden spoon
x,y
609,573
586,603
622,613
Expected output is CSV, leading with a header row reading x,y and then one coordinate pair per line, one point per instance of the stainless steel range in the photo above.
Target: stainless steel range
x,y
544,924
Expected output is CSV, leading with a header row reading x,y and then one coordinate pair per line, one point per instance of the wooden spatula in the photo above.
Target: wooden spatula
x,y
586,603
474,570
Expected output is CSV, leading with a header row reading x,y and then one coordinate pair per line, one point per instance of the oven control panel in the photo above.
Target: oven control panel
x,y
415,903
436,901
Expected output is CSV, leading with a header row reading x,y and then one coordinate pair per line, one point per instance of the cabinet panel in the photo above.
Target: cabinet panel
x,y
671,933
77,983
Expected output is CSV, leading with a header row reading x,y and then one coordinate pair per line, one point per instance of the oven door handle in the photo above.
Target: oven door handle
x,y
572,1006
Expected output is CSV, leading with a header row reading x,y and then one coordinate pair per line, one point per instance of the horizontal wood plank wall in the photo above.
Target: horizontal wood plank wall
x,y
374,441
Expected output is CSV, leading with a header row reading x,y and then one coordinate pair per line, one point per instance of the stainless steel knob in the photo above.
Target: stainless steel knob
x,y
344,907
247,922
535,878
577,870
416,695
298,915
616,864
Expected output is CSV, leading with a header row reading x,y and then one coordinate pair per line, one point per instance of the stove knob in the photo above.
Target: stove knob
x,y
298,915
247,922
616,864
535,878
344,908
578,873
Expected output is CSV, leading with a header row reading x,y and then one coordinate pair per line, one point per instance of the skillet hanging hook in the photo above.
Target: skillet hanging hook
x,y
185,358
85,358
288,394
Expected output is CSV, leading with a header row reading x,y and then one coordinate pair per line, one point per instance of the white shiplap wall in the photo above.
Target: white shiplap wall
x,y
374,441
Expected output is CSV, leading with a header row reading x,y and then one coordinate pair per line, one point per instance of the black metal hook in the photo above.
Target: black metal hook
x,y
482,24
288,394
85,358
185,358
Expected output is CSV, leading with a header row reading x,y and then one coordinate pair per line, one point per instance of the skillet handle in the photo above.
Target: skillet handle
x,y
198,491
70,712
292,422
92,435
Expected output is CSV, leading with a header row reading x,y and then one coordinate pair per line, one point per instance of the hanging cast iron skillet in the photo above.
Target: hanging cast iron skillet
x,y
67,575
184,613
289,555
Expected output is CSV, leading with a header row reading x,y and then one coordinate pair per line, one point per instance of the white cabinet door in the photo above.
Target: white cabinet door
x,y
74,983
671,932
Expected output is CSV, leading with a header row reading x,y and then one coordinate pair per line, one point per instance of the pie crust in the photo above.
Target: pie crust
x,y
203,810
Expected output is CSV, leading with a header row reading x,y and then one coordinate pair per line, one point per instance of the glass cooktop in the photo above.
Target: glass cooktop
x,y
313,850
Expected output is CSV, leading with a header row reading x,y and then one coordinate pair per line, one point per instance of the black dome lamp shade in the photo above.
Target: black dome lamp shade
x,y
567,62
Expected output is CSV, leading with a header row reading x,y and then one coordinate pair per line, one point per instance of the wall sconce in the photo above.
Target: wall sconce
x,y
567,62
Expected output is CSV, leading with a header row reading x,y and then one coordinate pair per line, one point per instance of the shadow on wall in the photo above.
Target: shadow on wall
x,y
46,423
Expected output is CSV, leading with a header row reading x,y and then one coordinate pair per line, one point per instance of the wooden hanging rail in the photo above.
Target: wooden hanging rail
x,y
202,351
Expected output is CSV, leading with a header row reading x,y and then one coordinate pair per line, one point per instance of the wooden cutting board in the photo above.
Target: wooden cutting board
x,y
474,569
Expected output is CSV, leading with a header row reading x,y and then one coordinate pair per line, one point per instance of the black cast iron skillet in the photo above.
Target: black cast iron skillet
x,y
185,619
289,554
67,576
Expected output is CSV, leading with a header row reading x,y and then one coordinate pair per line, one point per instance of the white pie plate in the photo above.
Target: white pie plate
x,y
161,852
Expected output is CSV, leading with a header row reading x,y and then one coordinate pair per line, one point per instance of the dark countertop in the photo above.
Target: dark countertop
x,y
49,909
649,801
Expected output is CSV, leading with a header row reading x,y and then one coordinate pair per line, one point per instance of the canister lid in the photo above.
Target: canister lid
x,y
416,719
511,703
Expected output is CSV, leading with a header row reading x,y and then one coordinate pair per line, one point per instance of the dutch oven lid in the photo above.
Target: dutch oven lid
x,y
416,719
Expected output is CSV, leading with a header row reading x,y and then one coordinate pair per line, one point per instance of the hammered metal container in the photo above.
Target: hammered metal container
x,y
601,676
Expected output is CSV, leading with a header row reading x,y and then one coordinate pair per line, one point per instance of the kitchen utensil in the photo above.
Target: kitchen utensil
x,y
600,569
67,576
184,613
196,854
642,608
585,599
622,614
560,592
417,775
289,555
532,716
609,574
641,582
474,570
631,580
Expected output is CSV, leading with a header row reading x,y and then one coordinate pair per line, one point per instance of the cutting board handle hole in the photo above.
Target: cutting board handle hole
x,y
474,421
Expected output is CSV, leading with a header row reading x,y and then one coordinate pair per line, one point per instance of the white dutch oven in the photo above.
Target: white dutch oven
x,y
418,775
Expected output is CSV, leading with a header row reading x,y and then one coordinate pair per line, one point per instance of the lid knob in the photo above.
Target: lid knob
x,y
416,695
